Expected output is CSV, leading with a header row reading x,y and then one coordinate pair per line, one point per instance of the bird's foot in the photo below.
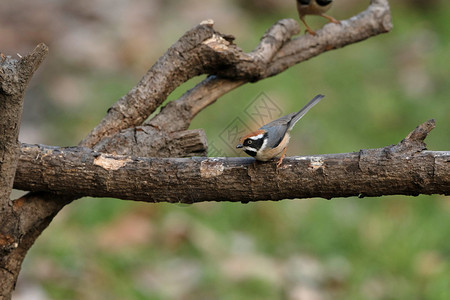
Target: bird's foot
x,y
310,31
331,19
280,161
335,21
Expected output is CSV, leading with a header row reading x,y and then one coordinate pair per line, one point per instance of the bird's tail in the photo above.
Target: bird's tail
x,y
304,110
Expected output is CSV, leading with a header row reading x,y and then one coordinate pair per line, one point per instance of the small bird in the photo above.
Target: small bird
x,y
271,139
314,7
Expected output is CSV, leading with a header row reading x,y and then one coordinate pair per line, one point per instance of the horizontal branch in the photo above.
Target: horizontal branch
x,y
82,172
404,169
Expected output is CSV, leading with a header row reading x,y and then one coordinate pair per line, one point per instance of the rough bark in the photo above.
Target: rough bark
x,y
402,169
14,77
190,56
147,141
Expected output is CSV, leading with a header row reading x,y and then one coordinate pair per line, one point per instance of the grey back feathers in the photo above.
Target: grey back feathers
x,y
278,128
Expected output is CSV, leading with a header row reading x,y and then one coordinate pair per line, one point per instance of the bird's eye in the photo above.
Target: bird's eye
x,y
249,142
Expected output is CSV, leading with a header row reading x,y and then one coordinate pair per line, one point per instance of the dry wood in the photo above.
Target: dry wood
x,y
147,141
14,77
402,169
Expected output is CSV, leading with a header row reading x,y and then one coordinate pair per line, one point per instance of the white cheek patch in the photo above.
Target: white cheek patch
x,y
250,149
263,146
256,137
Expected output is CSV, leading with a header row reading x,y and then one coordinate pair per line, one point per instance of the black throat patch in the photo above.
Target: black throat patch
x,y
250,152
324,2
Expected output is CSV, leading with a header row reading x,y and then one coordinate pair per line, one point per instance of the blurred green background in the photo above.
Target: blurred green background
x,y
377,91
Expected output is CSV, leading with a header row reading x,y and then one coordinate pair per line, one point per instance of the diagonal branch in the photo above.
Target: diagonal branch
x,y
376,19
374,172
177,115
217,51
285,53
182,61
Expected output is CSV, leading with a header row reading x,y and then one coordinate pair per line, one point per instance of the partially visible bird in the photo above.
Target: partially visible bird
x,y
314,7
272,139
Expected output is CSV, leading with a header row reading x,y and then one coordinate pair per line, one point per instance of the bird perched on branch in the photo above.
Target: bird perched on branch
x,y
273,138
314,7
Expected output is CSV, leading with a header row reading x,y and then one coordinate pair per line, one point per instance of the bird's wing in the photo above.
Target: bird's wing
x,y
277,128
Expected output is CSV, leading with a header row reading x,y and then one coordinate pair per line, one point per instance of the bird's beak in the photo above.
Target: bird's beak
x,y
239,146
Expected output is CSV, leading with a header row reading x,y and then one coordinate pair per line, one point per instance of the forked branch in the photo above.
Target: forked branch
x,y
211,52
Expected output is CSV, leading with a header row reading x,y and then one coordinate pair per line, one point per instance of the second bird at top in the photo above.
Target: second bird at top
x,y
314,7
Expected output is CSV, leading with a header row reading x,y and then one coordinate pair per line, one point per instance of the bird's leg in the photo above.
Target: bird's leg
x,y
308,29
280,161
331,19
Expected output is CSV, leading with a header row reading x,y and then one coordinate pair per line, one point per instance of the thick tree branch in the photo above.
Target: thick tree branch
x,y
217,52
147,141
14,77
390,170
190,56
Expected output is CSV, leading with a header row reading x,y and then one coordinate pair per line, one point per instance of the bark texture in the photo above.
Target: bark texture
x,y
14,77
402,169
147,141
